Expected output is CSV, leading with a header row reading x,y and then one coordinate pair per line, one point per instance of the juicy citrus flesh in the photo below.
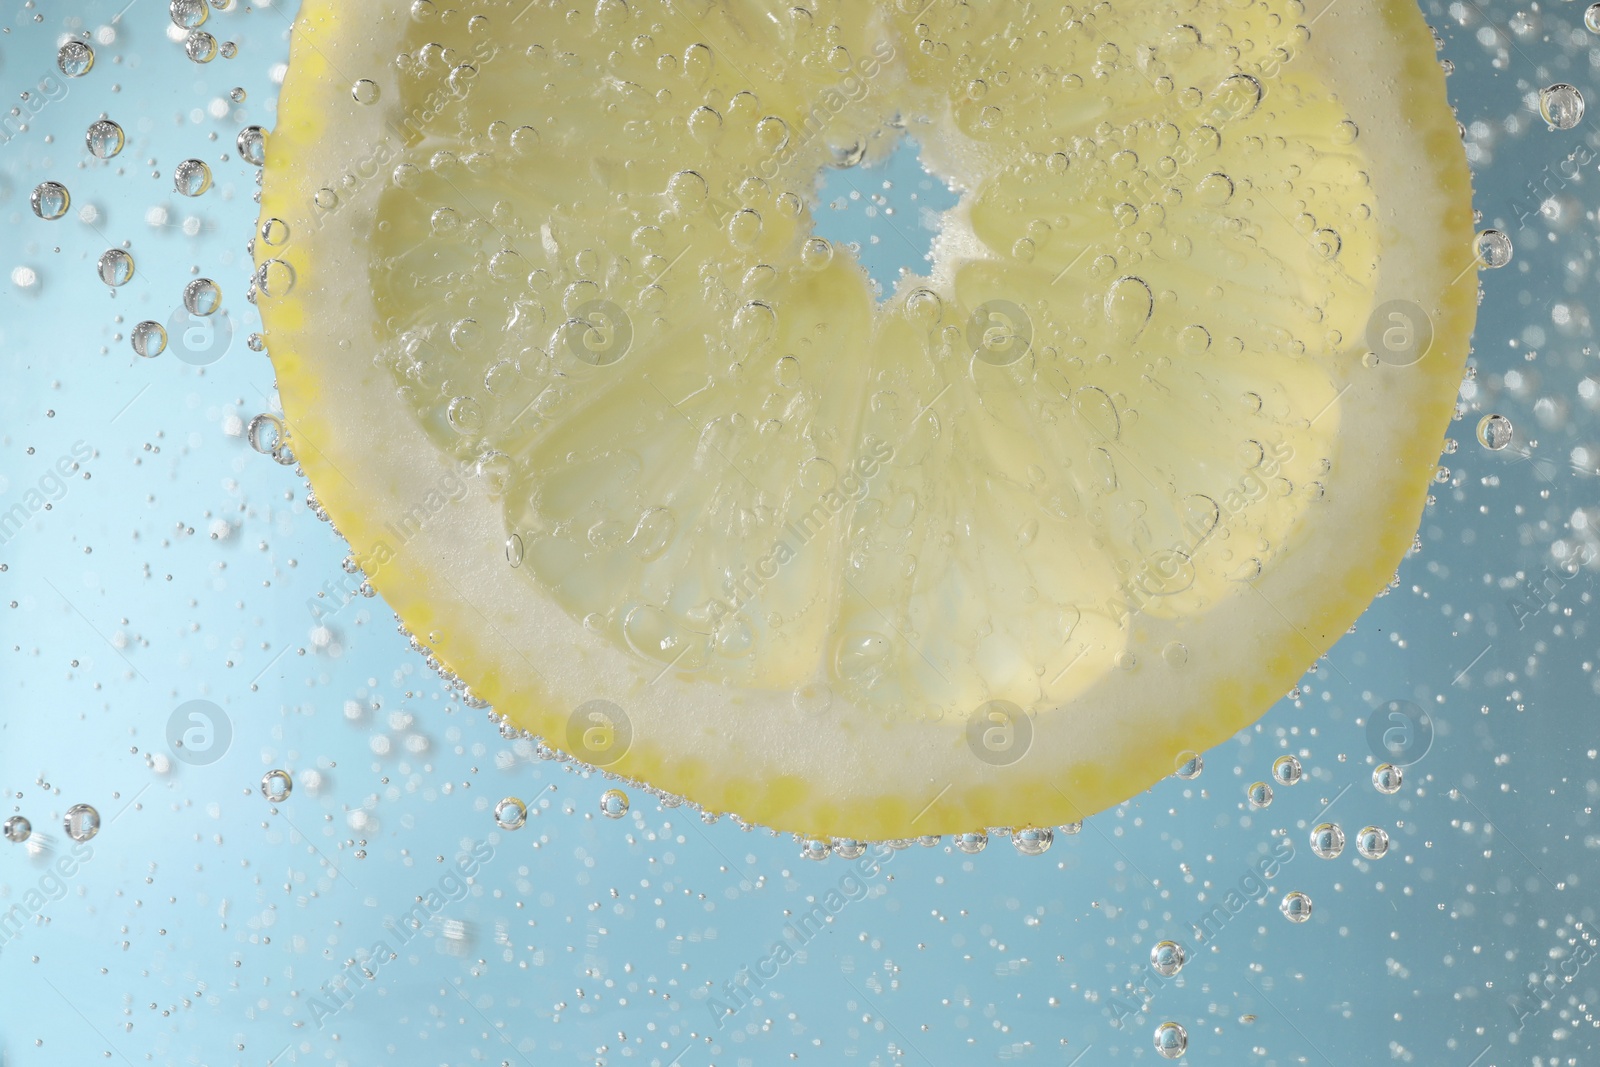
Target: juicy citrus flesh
x,y
604,422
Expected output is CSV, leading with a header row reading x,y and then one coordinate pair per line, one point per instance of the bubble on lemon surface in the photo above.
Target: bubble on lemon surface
x,y
815,848
510,814
275,278
1493,249
1189,765
1387,778
848,848
252,145
276,785
149,339
265,433
81,822
18,828
1295,906
1327,840
1561,105
1259,794
191,177
971,842
613,803
1033,840
75,59
1171,1040
50,200
1070,828
115,267
104,138
1494,432
202,296
1286,770
365,91
1168,958
1372,842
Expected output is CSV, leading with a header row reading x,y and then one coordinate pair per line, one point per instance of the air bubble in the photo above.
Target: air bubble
x,y
50,200
18,829
1259,795
187,14
1494,432
524,139
81,822
115,267
200,46
1387,778
276,785
613,803
1493,249
971,843
465,416
265,433
1296,907
1372,842
510,814
816,253
252,144
191,177
202,297
1561,105
149,339
365,91
1033,840
1286,770
275,278
1327,841
1189,765
75,59
1171,1040
1167,957
105,139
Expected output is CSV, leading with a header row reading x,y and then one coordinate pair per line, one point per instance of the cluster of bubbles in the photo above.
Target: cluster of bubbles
x,y
81,823
188,16
105,139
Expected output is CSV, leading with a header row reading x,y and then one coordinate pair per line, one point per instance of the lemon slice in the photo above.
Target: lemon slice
x,y
647,465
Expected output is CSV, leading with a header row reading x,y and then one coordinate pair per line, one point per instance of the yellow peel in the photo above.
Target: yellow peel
x,y
1013,589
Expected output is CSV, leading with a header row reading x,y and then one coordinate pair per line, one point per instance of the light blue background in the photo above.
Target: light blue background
x,y
206,918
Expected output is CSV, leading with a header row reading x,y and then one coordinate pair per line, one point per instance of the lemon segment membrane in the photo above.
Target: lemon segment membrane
x,y
644,462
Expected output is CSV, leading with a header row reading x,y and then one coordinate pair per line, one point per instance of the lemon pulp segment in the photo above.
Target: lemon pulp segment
x,y
610,428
